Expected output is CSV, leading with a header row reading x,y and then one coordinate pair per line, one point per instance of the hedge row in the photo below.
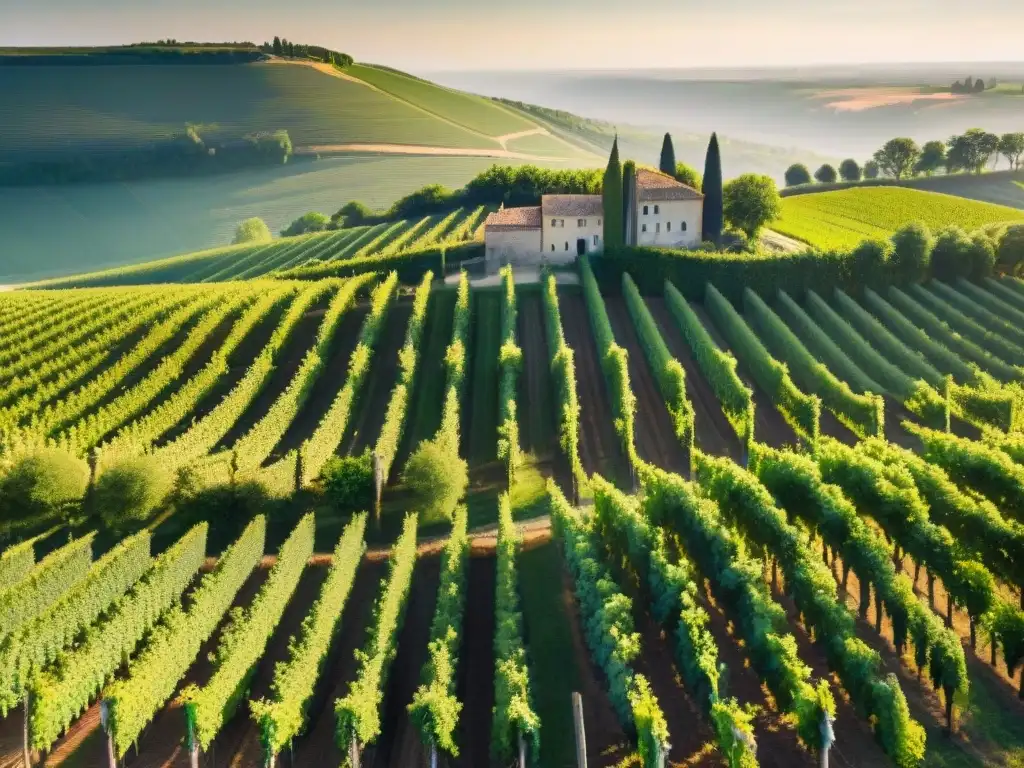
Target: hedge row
x,y
614,643
514,717
563,374
801,411
410,265
153,675
718,366
614,363
510,362
864,414
675,604
668,371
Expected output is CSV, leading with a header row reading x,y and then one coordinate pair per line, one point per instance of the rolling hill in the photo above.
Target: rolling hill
x,y
842,218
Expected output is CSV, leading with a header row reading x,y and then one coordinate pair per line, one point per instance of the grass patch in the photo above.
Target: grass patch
x,y
473,112
549,638
842,219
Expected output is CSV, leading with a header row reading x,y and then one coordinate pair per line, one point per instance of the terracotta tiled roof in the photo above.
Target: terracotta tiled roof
x,y
653,185
572,205
514,218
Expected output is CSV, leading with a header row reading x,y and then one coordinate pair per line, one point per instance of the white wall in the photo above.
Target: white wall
x,y
558,236
674,213
513,245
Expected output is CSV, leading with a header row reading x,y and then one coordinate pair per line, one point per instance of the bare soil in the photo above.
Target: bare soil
x,y
656,441
476,665
600,449
371,409
327,385
713,433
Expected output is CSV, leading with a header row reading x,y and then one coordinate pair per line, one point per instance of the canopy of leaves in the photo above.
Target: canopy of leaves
x,y
131,490
254,230
41,486
437,479
307,222
750,202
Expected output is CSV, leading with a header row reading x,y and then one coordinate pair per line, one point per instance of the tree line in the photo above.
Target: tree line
x,y
900,158
283,47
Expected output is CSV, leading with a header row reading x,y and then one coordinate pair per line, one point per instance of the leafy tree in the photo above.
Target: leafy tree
x,y
1011,146
41,486
979,85
668,156
131,491
687,174
898,157
871,169
307,222
912,252
278,51
981,258
750,202
971,151
348,482
933,157
352,214
254,230
1010,254
437,478
797,174
826,174
850,170
951,254
714,212
612,197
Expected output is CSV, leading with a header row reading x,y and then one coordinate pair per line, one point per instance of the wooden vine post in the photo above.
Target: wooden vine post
x,y
828,736
25,754
581,735
105,722
353,750
378,478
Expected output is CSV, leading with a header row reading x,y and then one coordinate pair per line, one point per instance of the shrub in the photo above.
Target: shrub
x,y
348,482
688,175
307,222
1010,253
951,254
797,174
751,201
437,479
850,170
352,214
981,257
254,230
41,486
826,174
912,252
871,170
131,490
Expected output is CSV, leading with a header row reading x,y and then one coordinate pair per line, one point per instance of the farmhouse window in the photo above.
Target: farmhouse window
x,y
581,222
554,222
567,245
596,239
668,226
645,210
684,226
552,247
656,209
657,227
599,222
644,229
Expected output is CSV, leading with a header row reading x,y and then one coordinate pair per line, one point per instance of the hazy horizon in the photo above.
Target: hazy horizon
x,y
539,35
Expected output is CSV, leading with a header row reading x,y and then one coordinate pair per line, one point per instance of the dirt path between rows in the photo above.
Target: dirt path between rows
x,y
475,688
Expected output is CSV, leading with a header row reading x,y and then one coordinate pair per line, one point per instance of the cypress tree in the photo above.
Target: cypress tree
x,y
712,189
668,156
277,45
612,198
628,209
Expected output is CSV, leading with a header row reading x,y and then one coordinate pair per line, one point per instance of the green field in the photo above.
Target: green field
x,y
108,225
54,108
843,219
473,112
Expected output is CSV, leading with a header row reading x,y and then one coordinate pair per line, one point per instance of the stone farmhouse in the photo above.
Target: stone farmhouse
x,y
662,212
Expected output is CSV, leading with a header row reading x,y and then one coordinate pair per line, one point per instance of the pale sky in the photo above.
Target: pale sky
x,y
430,35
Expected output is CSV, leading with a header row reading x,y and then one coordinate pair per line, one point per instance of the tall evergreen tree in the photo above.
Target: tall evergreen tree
x,y
612,197
712,189
277,45
629,223
668,156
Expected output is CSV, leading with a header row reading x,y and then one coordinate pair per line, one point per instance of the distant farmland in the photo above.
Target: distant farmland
x,y
842,219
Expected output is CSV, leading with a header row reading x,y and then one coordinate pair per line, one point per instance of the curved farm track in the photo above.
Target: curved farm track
x,y
600,450
656,441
